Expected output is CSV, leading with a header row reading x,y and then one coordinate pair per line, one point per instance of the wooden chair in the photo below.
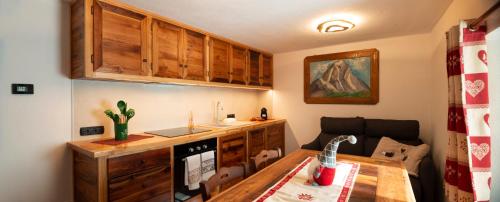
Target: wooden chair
x,y
223,175
260,161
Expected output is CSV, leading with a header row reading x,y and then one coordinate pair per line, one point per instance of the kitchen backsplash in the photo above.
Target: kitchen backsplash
x,y
159,106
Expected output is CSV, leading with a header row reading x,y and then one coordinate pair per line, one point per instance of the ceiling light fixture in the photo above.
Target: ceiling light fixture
x,y
335,26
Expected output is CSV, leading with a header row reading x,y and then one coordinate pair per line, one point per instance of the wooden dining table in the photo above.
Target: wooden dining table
x,y
377,180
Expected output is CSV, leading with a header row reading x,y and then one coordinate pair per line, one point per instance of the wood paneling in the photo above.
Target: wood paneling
x,y
125,165
239,57
78,39
167,50
120,40
140,177
194,58
84,178
256,141
276,137
267,70
232,149
387,179
254,68
142,185
219,60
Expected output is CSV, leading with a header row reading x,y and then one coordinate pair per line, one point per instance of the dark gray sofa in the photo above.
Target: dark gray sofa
x,y
368,132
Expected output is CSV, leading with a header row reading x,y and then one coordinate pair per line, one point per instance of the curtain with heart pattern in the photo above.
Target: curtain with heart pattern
x,y
467,167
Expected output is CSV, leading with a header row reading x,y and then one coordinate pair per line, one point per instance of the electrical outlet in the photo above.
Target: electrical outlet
x,y
93,130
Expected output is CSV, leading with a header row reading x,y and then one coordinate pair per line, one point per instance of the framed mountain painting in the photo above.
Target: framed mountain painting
x,y
342,78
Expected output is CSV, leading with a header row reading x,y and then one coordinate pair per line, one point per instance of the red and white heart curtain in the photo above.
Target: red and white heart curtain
x,y
467,170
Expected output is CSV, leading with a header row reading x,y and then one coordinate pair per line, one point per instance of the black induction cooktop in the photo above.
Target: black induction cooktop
x,y
174,132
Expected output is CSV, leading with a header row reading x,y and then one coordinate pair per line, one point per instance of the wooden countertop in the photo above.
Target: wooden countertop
x,y
100,150
378,180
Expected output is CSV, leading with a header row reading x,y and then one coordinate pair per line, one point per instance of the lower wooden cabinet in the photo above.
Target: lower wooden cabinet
x,y
233,149
144,176
140,177
232,152
276,137
256,141
271,137
147,176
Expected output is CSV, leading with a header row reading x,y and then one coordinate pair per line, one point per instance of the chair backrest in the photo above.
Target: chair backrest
x,y
223,175
258,162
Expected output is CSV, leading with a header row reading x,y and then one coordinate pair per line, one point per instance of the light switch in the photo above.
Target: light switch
x,y
23,88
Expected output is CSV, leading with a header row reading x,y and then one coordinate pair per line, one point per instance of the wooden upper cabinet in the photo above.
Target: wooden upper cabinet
x,y
254,68
167,50
111,40
177,52
238,65
120,40
219,60
267,70
194,56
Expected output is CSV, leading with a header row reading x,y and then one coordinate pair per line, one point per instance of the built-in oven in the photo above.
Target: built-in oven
x,y
181,191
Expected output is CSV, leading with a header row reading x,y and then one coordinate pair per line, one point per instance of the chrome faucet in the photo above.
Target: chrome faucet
x,y
218,109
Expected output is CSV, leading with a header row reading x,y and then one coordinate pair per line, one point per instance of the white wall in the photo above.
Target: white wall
x,y
404,88
493,46
157,106
458,10
35,164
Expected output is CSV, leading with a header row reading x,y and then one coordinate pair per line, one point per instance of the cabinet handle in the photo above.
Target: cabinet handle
x,y
144,60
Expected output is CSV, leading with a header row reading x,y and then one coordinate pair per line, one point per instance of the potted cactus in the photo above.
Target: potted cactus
x,y
121,120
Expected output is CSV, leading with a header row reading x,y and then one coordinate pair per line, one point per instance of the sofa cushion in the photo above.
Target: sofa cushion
x,y
395,129
343,126
411,156
372,142
345,147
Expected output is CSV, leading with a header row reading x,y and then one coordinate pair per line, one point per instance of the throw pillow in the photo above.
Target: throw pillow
x,y
411,156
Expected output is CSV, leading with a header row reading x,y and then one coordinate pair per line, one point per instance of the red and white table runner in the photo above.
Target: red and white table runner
x,y
295,186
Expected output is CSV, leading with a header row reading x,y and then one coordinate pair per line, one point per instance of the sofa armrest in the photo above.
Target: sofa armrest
x,y
427,175
314,145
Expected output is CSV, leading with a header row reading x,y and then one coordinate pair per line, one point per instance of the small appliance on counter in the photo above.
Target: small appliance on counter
x,y
231,118
263,113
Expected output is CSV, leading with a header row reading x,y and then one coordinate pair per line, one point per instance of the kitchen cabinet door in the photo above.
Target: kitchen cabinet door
x,y
254,68
219,60
232,153
142,176
194,56
275,137
233,149
167,50
120,40
267,70
238,65
256,141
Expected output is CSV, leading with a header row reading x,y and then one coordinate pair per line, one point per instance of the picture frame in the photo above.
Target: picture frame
x,y
342,78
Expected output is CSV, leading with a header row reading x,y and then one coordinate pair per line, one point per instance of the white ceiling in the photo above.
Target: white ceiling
x,y
287,25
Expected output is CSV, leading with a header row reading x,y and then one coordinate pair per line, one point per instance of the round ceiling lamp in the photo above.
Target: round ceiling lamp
x,y
335,26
